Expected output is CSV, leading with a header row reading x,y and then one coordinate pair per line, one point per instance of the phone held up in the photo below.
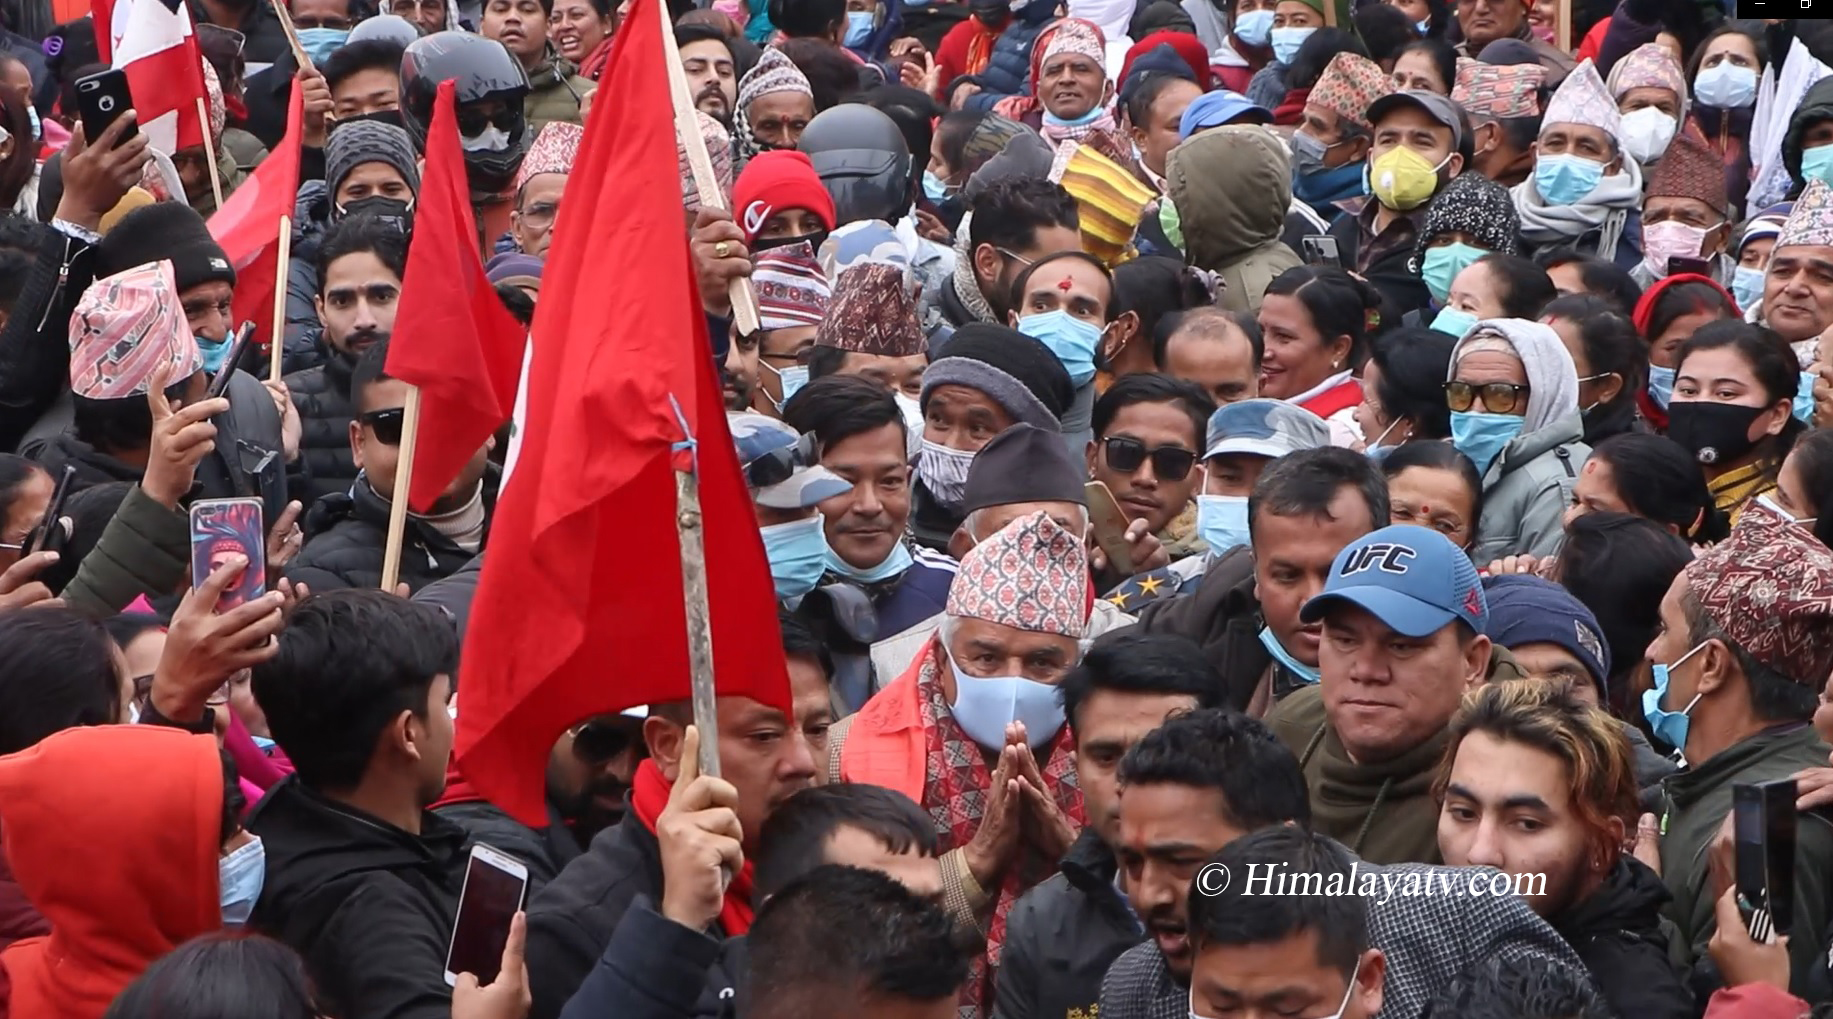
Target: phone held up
x,y
220,530
1321,249
101,98
495,884
50,535
1763,826
1109,525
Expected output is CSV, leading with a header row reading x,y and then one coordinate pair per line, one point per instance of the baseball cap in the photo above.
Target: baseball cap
x,y
1436,106
1217,109
1526,609
1269,428
1411,578
780,466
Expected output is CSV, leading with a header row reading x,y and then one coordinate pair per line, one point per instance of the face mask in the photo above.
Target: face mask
x,y
1481,436
859,25
1402,180
1715,433
1286,42
319,43
791,379
1442,264
263,744
993,17
984,706
1747,286
1671,726
1222,522
1774,507
239,877
1094,114
214,353
1253,28
944,472
814,242
392,211
1817,164
391,117
1375,450
934,188
1563,180
1454,322
1335,185
798,555
1670,239
894,565
1726,86
1647,132
491,139
1308,673
1071,339
913,412
38,130
1425,27
1307,155
1660,385
1803,407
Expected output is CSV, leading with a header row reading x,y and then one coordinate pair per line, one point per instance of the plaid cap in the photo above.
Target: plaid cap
x,y
1690,169
1031,575
1769,587
1411,578
1349,85
791,288
1532,610
1110,200
1649,65
124,328
1262,427
1498,91
1811,220
771,452
718,148
554,150
874,311
1583,99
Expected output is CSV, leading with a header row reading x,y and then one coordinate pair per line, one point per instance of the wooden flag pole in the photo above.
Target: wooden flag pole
x,y
292,34
688,525
404,483
1562,32
203,120
277,338
687,126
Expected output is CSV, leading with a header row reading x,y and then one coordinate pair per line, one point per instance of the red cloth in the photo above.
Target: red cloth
x,y
579,611
1342,396
453,337
593,66
248,227
1187,46
778,180
165,70
1593,43
966,49
1291,110
648,798
124,880
1234,79
1755,1001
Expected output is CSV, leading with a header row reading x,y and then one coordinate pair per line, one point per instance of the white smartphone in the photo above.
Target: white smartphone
x,y
495,883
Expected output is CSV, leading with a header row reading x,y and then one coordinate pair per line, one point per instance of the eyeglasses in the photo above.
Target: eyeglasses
x,y
1170,463
474,120
1015,256
1498,397
779,465
540,215
386,424
602,739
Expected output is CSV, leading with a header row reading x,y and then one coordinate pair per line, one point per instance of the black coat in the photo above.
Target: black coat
x,y
1222,615
35,342
1063,935
322,396
346,534
544,850
655,968
1617,931
368,905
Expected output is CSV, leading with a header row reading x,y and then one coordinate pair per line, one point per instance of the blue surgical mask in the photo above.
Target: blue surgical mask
x,y
1253,28
1482,436
1671,726
1071,339
320,43
1565,180
1084,120
263,744
1308,673
1222,522
1726,86
1286,42
1803,407
1425,27
1454,322
1747,286
38,130
239,878
215,352
985,705
859,25
1442,264
1817,164
934,188
798,555
1660,385
791,379
895,564
1375,450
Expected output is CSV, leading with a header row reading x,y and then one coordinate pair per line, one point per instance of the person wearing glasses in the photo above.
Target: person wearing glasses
x,y
1148,431
1513,394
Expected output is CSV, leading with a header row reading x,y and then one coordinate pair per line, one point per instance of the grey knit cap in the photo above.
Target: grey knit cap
x,y
355,142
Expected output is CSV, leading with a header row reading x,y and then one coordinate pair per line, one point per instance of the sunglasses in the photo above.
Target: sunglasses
x,y
473,120
1498,397
602,739
1170,463
779,465
386,424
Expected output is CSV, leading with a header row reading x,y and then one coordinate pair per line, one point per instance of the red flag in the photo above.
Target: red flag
x,y
580,608
453,338
248,226
165,72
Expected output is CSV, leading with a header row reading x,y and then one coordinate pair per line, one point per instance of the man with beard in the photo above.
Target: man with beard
x,y
360,267
1015,222
712,77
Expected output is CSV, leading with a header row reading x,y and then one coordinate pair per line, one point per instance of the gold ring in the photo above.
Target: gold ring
x,y
722,249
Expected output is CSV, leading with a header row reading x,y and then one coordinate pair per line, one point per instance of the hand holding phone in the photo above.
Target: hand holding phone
x,y
101,98
238,348
1321,249
50,535
495,884
222,529
1764,825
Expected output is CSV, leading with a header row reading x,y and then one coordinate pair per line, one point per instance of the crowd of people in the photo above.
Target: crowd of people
x,y
1388,443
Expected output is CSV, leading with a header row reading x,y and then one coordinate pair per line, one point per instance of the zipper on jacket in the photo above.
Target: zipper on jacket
x,y
63,281
1565,460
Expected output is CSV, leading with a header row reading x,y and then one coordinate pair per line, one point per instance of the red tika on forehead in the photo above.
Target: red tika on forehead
x,y
1065,285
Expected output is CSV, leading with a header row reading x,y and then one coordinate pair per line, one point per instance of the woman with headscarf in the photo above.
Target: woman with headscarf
x,y
1472,218
1513,394
775,102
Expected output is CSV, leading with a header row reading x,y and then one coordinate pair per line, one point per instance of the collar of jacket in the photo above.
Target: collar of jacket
x,y
551,71
1694,782
1090,865
1629,900
339,368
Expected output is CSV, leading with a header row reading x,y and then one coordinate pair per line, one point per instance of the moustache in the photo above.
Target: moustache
x,y
711,90
1164,918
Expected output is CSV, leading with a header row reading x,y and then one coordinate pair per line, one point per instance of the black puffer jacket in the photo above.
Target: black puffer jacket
x,y
1063,935
1617,931
322,395
347,532
35,342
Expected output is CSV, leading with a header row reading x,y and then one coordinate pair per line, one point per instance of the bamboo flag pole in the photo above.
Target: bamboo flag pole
x,y
699,626
404,483
292,34
687,125
276,338
1563,31
203,120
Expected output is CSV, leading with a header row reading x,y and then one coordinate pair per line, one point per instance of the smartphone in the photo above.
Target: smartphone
x,y
1321,249
101,98
49,535
1109,525
221,528
238,346
1763,824
495,883
1695,266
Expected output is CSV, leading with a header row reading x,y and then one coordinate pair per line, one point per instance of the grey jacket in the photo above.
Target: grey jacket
x,y
1526,492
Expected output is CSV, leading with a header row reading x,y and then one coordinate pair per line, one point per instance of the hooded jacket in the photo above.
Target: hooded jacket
x,y
122,881
1816,106
1231,187
1222,615
1527,488
554,93
1617,931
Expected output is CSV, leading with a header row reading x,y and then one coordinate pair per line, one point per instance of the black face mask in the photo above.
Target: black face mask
x,y
814,242
380,116
1715,433
391,211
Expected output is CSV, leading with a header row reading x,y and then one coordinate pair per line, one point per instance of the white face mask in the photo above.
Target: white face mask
x,y
1647,132
491,139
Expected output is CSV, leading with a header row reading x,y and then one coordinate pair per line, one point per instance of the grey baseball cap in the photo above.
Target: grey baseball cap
x,y
1262,427
1436,106
780,466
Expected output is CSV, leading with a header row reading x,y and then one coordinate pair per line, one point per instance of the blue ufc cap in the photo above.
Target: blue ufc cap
x,y
1411,578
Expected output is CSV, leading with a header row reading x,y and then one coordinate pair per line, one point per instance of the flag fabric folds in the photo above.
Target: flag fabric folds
x,y
165,71
248,226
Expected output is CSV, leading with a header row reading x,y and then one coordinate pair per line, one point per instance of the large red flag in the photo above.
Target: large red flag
x,y
153,42
248,226
580,609
453,338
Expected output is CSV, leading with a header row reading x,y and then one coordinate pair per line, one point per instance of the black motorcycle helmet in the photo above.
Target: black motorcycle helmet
x,y
487,75
862,160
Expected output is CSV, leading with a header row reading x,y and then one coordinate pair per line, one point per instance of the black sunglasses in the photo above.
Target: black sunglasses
x,y
386,424
779,465
602,739
1498,397
1170,463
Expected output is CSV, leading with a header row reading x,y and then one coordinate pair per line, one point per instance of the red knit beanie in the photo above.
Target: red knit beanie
x,y
774,181
1184,44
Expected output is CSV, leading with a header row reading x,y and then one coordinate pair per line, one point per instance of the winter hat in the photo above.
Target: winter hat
x,y
1030,575
861,241
1017,372
369,141
1552,378
1498,91
1767,223
1690,169
1811,220
874,311
1187,46
1582,99
1769,587
1348,86
1024,463
1025,155
779,180
1531,610
1509,52
1109,199
125,327
554,150
515,269
1160,61
774,72
791,288
169,231
1649,65
1475,205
